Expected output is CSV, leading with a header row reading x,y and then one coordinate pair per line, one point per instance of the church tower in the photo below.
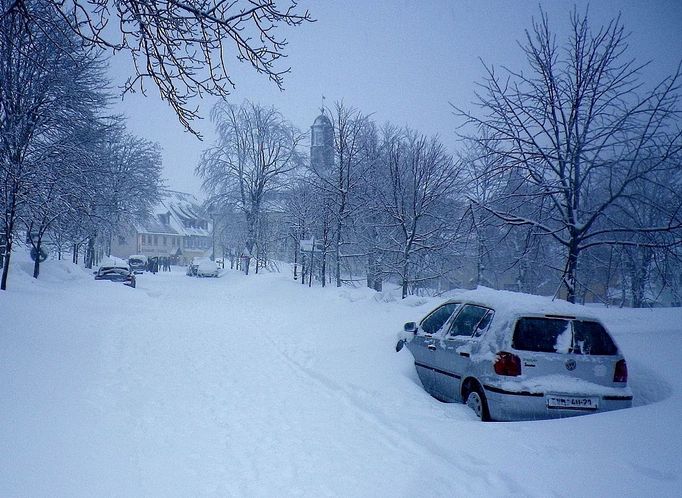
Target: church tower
x,y
322,144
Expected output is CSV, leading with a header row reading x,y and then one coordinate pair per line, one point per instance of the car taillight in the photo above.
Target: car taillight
x,y
621,372
507,364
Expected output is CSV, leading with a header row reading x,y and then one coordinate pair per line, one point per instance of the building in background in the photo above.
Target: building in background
x,y
179,229
322,144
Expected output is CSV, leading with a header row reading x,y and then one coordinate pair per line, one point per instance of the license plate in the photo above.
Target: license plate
x,y
572,403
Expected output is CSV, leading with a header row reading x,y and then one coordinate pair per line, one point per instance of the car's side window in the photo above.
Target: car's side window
x,y
484,323
435,321
471,320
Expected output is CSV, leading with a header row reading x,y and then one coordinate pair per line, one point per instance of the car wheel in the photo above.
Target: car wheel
x,y
477,402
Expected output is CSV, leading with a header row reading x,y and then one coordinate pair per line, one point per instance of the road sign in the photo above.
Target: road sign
x,y
307,245
311,245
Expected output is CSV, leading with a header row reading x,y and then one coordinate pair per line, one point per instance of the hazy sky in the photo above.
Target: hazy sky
x,y
401,60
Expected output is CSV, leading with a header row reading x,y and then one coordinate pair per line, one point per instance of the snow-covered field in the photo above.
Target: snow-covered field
x,y
258,386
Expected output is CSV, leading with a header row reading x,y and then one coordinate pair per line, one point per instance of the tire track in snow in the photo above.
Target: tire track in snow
x,y
237,394
398,436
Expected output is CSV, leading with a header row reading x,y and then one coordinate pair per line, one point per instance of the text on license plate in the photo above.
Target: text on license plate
x,y
572,402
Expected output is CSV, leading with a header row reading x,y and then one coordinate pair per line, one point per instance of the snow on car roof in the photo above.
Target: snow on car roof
x,y
517,304
508,307
113,261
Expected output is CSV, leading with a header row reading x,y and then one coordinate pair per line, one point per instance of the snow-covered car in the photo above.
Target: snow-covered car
x,y
202,267
511,356
192,269
138,263
116,274
207,268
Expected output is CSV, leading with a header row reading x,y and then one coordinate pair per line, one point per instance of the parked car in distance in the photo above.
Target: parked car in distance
x,y
138,263
116,274
202,267
511,356
207,268
192,268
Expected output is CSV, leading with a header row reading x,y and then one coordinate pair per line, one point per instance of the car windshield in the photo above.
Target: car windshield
x,y
556,335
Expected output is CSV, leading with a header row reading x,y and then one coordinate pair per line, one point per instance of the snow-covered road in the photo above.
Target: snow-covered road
x,y
258,386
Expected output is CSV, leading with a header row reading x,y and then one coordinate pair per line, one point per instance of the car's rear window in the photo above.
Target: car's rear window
x,y
539,334
591,338
555,335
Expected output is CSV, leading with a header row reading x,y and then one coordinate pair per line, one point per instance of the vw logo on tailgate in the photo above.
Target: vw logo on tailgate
x,y
570,364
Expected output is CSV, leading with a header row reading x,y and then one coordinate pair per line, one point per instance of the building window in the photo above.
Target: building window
x,y
164,240
156,239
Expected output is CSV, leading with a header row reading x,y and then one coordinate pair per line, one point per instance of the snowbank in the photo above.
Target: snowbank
x,y
259,386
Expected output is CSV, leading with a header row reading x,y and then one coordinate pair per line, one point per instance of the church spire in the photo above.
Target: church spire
x,y
322,142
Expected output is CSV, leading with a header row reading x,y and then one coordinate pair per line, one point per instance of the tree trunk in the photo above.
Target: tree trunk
x,y
257,256
323,266
9,229
5,265
639,275
370,269
36,263
295,260
571,273
90,252
374,280
337,254
406,279
303,268
10,216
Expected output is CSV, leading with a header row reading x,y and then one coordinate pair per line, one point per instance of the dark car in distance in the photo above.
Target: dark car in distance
x,y
116,274
138,263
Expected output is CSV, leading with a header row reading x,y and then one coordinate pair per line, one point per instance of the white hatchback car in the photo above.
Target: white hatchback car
x,y
511,356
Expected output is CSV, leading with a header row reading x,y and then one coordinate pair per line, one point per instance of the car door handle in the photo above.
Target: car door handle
x,y
466,355
432,347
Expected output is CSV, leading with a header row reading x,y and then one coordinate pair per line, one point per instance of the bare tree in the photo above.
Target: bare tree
x,y
48,83
183,47
580,134
654,202
340,181
256,149
128,184
420,180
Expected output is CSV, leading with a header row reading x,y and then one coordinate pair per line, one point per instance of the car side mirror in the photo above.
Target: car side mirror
x,y
411,327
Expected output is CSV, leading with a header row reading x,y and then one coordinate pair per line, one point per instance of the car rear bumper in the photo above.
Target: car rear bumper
x,y
512,406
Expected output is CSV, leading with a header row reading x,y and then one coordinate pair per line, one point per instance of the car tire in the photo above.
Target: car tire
x,y
476,400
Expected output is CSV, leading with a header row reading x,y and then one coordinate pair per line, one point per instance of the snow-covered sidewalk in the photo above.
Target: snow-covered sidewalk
x,y
258,386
